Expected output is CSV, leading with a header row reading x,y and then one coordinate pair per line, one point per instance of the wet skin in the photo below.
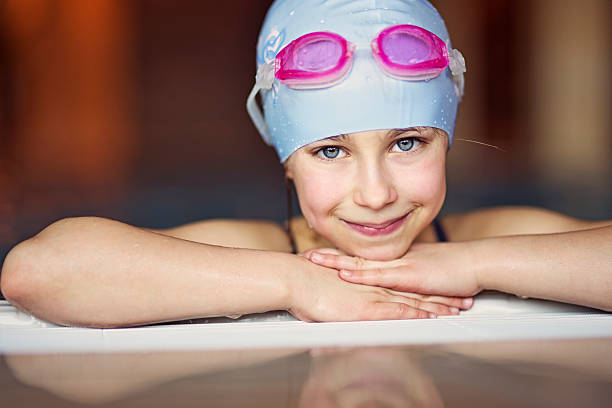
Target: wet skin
x,y
372,193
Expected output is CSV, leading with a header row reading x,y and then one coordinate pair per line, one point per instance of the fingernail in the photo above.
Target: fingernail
x,y
467,303
346,274
433,315
315,257
454,310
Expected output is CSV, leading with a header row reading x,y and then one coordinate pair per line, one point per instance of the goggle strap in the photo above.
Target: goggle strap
x,y
456,64
265,79
263,82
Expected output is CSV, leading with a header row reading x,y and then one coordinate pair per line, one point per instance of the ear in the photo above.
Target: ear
x,y
288,172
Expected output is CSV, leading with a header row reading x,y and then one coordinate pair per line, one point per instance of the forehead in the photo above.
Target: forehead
x,y
384,134
381,133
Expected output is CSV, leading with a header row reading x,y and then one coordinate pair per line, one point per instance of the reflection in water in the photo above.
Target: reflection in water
x,y
368,377
533,373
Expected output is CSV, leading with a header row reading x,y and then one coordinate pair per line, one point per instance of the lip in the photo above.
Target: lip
x,y
384,228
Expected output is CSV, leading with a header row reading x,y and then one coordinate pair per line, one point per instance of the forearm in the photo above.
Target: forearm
x,y
573,267
99,378
98,272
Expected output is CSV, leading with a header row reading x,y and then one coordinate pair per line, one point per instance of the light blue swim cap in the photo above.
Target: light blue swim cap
x,y
367,99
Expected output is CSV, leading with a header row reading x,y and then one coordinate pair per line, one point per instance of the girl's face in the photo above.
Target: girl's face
x,y
372,193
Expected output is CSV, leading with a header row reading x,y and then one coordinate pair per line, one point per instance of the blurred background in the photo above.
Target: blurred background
x,y
134,110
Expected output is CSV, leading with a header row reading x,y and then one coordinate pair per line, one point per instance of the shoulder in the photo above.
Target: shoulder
x,y
500,221
252,234
305,237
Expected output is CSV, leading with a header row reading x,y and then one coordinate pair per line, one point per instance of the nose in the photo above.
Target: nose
x,y
374,187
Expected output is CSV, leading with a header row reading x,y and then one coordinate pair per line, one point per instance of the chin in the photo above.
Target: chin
x,y
378,253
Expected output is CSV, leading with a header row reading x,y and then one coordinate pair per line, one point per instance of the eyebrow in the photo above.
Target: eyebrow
x,y
342,138
346,138
397,132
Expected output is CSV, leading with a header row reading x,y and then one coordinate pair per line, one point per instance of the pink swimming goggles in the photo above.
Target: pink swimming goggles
x,y
405,52
322,59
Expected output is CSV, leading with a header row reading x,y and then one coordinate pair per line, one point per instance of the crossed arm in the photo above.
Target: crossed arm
x,y
103,273
571,262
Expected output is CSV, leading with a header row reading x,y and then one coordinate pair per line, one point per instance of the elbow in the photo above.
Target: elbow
x,y
53,276
32,274
18,279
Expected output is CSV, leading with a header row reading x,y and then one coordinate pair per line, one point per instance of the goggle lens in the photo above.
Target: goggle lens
x,y
410,53
315,60
405,49
316,56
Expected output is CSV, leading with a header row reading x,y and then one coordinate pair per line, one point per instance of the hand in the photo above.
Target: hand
x,y
318,294
443,269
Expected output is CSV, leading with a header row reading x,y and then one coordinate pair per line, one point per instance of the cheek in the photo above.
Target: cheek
x,y
423,184
320,191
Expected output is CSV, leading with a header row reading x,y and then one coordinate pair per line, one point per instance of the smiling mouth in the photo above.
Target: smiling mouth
x,y
378,229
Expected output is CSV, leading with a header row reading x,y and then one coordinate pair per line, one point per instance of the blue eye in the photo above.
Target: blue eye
x,y
405,145
330,152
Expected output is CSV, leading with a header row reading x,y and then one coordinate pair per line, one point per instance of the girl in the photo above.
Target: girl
x,y
360,101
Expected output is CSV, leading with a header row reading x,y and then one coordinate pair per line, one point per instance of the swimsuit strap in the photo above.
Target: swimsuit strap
x,y
439,231
289,190
294,250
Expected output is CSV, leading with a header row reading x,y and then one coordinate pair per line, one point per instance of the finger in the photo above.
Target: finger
x,y
398,311
463,303
308,253
326,259
437,308
440,310
392,278
348,262
468,302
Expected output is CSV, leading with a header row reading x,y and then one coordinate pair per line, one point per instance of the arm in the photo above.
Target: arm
x,y
538,253
569,260
573,267
98,272
510,221
102,273
102,377
251,234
